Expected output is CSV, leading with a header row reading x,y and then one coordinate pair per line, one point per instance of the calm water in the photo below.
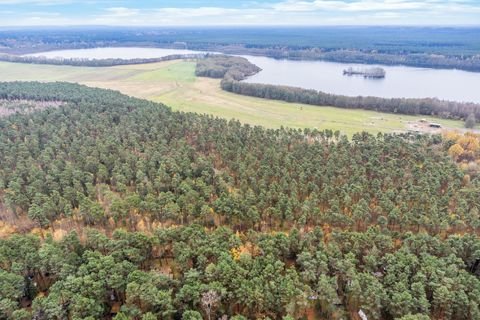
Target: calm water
x,y
327,76
399,82
113,53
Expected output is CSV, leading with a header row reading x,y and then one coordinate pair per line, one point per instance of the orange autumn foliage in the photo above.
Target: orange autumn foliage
x,y
466,146
456,150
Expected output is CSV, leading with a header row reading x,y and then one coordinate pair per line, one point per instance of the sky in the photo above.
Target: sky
x,y
234,12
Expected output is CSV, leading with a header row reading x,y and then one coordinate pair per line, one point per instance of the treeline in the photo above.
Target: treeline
x,y
409,106
437,47
85,62
225,220
228,67
422,60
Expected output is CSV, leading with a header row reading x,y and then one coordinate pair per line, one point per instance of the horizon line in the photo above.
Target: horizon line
x,y
242,26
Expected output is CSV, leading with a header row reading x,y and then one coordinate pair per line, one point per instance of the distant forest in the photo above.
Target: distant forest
x,y
435,47
78,62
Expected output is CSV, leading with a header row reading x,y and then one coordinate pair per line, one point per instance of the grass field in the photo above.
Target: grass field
x,y
174,83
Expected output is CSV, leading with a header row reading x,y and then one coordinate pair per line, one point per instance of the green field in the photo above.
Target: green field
x,y
174,83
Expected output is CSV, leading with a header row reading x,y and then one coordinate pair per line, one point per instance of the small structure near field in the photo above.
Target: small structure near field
x,y
424,126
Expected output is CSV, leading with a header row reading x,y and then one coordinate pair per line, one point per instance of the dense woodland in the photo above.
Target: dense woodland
x,y
170,215
229,67
434,47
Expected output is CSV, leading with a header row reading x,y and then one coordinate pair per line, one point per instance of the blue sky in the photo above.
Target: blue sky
x,y
233,12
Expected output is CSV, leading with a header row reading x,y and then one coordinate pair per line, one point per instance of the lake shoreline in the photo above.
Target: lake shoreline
x,y
240,51
402,82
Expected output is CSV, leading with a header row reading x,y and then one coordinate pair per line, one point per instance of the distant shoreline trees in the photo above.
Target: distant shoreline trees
x,y
422,60
83,62
414,59
432,47
221,66
235,69
408,106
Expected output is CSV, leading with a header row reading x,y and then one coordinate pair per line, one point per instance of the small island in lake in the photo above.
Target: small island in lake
x,y
377,73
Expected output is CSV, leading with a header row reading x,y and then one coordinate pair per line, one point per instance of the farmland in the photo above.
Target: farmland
x,y
174,83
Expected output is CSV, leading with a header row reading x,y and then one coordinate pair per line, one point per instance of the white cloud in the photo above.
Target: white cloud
x,y
305,6
120,12
374,5
198,12
35,2
284,12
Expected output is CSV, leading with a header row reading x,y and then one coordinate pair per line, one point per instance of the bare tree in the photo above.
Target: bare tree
x,y
209,300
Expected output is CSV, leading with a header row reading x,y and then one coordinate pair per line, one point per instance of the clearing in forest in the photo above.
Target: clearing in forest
x,y
174,83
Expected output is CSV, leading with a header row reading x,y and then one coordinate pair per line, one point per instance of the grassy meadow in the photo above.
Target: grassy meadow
x,y
174,83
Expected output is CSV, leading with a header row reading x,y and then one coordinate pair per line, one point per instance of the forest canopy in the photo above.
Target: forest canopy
x,y
170,215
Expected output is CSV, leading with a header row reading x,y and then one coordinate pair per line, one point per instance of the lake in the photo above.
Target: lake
x,y
400,81
113,53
